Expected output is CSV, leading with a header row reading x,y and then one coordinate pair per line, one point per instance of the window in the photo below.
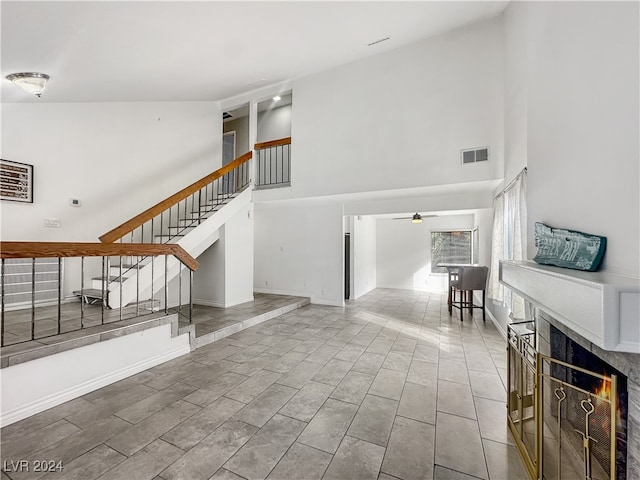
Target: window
x,y
453,246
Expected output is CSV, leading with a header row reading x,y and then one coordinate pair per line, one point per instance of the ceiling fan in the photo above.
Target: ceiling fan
x,y
416,218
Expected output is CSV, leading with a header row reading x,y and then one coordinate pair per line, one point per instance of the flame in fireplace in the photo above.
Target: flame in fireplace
x,y
604,392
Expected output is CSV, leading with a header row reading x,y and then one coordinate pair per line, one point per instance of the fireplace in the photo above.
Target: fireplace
x,y
574,373
568,410
586,405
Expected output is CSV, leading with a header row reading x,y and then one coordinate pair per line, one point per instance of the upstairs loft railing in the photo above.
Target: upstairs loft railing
x,y
31,291
171,218
273,167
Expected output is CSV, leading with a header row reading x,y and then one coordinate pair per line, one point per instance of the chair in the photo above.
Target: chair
x,y
469,280
452,273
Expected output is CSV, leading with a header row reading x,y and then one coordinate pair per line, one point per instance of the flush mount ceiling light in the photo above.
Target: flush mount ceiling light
x,y
32,82
277,98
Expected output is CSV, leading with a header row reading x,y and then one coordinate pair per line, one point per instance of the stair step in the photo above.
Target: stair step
x,y
89,292
167,237
109,279
126,271
186,228
93,296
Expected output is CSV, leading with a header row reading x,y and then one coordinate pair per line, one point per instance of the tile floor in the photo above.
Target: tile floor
x,y
210,319
389,387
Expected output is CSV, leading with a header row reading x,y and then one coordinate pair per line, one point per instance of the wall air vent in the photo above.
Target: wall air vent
x,y
226,115
474,155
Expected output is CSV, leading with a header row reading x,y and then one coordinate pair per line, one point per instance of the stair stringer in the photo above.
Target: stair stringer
x,y
194,243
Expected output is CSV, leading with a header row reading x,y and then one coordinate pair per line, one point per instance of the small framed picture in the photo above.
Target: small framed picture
x,y
16,181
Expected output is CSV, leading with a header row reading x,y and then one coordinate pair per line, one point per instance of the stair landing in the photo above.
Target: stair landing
x,y
214,323
209,324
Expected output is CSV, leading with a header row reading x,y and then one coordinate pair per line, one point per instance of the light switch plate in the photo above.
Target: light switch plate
x,y
52,222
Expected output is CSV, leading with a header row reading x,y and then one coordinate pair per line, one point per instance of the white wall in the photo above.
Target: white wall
x,y
399,119
299,251
35,386
274,124
363,238
238,238
483,219
572,104
225,274
208,280
404,252
117,158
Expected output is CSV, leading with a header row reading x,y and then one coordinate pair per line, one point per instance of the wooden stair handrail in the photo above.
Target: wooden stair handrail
x,y
272,143
72,249
167,203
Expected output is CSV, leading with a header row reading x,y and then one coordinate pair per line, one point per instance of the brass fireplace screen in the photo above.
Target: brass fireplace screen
x,y
562,430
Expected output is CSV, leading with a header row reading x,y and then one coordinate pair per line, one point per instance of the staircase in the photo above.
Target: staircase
x,y
190,218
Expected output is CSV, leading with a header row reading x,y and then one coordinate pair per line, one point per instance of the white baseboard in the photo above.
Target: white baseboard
x,y
276,291
314,298
326,301
213,303
494,320
208,303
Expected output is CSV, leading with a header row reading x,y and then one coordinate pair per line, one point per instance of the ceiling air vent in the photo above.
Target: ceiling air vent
x,y
226,115
473,155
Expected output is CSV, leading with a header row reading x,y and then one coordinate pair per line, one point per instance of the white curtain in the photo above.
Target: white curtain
x,y
509,240
495,289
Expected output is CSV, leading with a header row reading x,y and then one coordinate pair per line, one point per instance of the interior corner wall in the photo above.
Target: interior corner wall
x,y
403,256
363,237
224,277
571,90
209,278
118,159
298,250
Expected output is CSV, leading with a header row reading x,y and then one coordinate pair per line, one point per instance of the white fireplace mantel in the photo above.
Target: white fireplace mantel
x,y
602,307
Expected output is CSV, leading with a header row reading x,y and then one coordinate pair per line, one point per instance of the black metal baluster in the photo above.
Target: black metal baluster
x,y
81,292
180,288
281,149
289,163
120,279
259,162
2,273
153,259
102,287
33,298
186,221
166,287
190,296
137,286
270,167
59,292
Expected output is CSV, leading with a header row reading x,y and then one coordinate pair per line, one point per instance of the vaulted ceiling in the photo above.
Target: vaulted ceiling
x,y
204,50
